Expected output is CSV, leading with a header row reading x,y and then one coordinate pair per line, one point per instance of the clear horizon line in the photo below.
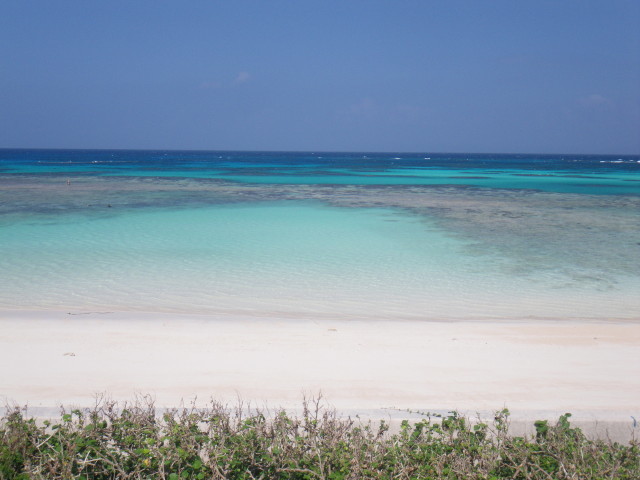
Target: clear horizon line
x,y
422,152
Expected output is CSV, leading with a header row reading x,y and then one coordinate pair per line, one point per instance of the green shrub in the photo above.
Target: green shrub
x,y
134,441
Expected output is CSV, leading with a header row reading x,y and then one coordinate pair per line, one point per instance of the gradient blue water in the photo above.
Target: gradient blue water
x,y
318,234
599,175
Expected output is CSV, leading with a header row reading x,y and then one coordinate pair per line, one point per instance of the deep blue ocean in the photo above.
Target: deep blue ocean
x,y
316,234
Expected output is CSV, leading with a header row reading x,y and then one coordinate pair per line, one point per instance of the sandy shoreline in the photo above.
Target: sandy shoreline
x,y
378,368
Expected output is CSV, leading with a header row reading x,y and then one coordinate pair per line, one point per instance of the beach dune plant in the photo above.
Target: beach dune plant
x,y
135,440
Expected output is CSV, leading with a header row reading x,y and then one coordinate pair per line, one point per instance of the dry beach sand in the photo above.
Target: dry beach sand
x,y
377,369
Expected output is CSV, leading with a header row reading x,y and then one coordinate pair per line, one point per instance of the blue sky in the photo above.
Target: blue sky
x,y
434,76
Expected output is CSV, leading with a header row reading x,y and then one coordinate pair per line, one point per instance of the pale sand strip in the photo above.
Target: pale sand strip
x,y
536,369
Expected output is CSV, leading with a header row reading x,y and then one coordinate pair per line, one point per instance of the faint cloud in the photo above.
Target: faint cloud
x,y
594,100
212,85
401,113
367,108
242,77
513,59
364,108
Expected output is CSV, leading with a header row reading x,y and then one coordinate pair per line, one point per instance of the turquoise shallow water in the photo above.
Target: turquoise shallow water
x,y
220,238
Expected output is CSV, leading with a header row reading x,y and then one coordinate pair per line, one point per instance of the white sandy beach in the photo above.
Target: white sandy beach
x,y
375,368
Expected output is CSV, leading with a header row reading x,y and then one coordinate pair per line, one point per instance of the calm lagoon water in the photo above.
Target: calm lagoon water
x,y
364,235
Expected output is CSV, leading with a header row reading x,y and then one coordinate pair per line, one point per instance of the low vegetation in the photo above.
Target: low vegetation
x,y
135,441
